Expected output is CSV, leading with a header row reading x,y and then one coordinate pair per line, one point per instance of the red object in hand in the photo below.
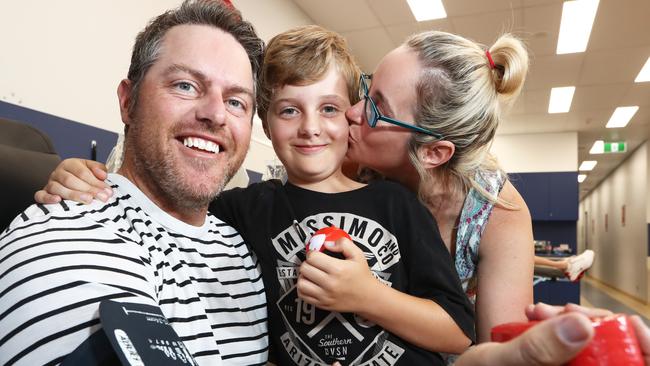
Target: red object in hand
x,y
324,235
614,342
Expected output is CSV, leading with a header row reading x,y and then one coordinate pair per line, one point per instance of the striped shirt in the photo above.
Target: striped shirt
x,y
57,262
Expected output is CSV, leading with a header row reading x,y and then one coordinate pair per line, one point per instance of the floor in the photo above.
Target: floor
x,y
594,293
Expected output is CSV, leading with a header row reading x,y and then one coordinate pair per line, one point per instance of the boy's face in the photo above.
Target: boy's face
x,y
308,128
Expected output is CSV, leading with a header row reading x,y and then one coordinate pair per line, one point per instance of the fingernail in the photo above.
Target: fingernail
x,y
329,244
571,331
86,198
108,191
102,196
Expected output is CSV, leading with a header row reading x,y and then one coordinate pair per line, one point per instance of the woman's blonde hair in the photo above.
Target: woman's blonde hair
x,y
302,56
461,95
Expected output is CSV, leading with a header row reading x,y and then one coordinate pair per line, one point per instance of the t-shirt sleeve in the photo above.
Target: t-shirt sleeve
x,y
53,275
430,266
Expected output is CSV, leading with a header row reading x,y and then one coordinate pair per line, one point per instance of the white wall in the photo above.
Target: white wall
x,y
66,58
541,152
621,251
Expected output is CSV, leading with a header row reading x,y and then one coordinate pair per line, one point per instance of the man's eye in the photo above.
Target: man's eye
x,y
185,86
235,103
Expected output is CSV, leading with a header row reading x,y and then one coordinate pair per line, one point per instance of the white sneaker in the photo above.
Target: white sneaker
x,y
579,264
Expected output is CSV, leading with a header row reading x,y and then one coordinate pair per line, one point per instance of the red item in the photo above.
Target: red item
x,y
489,57
324,235
614,342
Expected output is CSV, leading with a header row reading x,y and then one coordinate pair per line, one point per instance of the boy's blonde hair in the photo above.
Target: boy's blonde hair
x,y
301,56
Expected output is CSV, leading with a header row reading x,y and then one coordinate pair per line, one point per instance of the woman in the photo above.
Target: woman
x,y
435,103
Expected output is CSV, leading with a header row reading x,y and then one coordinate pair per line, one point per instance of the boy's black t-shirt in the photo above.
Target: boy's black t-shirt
x,y
401,242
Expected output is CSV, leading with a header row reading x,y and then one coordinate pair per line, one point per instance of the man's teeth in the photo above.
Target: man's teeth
x,y
201,144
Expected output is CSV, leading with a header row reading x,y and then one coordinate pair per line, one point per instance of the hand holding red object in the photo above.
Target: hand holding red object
x,y
614,343
327,234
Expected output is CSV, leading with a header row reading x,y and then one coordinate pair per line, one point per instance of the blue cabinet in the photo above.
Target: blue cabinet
x,y
550,196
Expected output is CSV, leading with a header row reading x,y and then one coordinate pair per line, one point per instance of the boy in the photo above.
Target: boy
x,y
363,315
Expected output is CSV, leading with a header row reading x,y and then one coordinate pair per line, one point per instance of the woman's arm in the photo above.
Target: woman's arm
x,y
505,269
348,286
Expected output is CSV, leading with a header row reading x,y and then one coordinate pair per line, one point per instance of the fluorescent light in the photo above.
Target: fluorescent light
x,y
587,165
561,98
644,74
621,116
577,19
598,147
582,177
427,9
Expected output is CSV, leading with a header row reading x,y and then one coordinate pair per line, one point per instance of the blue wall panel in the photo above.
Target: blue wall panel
x,y
551,196
70,138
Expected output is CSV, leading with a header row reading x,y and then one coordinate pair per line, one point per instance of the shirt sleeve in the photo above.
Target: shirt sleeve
x,y
53,274
430,266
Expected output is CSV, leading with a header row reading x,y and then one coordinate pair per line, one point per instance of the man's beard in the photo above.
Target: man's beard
x,y
179,192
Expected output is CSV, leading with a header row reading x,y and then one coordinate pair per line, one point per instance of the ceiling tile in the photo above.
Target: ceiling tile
x,y
554,71
486,27
621,23
541,27
598,97
369,46
606,67
391,12
468,7
399,33
638,94
339,15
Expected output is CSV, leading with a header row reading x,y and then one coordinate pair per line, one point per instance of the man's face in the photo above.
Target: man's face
x,y
191,127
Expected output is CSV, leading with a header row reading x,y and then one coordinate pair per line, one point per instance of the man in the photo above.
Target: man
x,y
188,104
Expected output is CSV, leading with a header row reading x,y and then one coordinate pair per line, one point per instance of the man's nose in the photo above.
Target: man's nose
x,y
212,109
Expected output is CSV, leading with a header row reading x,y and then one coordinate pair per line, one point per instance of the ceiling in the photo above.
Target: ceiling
x,y
603,75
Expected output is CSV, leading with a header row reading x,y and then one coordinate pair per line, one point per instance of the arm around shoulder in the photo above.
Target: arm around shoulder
x,y
505,269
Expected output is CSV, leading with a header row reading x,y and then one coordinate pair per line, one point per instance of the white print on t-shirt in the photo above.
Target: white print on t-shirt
x,y
318,337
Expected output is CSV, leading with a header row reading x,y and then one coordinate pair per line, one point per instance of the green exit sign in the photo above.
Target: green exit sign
x,y
614,147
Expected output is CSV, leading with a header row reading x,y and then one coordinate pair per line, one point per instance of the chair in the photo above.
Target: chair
x,y
27,158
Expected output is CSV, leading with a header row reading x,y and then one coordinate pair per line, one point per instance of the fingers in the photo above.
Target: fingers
x,y
78,180
43,197
590,312
642,335
347,247
54,188
552,342
541,311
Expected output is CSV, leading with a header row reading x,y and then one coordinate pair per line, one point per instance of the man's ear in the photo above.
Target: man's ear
x,y
125,97
436,153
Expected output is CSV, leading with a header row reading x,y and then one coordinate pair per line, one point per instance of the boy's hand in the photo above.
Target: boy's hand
x,y
78,180
333,284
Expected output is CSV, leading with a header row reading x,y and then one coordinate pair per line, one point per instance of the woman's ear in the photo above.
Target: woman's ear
x,y
436,153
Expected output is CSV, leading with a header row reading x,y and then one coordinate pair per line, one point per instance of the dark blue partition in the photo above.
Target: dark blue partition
x,y
70,138
552,198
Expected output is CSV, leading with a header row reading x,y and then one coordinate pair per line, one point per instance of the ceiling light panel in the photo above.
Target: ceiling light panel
x,y
427,9
577,20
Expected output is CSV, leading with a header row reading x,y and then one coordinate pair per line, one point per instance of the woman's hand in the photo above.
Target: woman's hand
x,y
78,180
333,284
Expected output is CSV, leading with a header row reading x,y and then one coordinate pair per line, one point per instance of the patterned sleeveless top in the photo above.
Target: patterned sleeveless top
x,y
473,219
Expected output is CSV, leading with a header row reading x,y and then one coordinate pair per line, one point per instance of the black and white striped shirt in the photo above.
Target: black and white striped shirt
x,y
57,262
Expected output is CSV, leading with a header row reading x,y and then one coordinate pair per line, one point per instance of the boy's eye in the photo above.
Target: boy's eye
x,y
288,111
330,109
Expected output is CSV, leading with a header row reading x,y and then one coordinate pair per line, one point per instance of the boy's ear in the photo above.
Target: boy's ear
x,y
436,153
125,97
